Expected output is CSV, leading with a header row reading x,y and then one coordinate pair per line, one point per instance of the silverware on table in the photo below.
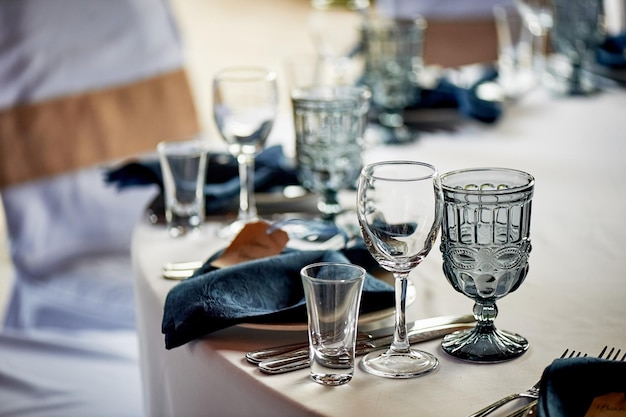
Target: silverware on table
x,y
299,359
264,354
532,405
532,393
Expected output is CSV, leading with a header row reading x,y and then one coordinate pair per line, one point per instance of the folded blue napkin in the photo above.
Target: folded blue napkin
x,y
612,52
446,94
568,386
222,177
267,290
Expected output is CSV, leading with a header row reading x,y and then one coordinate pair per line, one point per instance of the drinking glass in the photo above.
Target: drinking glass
x,y
537,16
577,31
393,50
245,102
329,124
333,295
399,207
485,242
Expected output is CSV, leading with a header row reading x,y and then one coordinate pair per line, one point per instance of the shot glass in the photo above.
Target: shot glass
x,y
333,297
183,165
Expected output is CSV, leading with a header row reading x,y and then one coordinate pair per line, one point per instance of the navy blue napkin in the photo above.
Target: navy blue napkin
x,y
568,386
267,291
446,94
612,52
222,177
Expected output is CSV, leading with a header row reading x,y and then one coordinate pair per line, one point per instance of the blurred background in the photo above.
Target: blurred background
x,y
272,33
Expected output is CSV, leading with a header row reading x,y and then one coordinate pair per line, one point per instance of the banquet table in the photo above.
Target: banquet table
x,y
573,297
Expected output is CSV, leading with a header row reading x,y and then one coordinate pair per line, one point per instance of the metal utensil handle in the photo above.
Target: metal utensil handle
x,y
290,363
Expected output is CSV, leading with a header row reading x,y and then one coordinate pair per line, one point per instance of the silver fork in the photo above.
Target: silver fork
x,y
612,355
532,392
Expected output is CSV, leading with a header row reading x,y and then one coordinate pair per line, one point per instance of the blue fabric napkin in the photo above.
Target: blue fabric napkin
x,y
267,290
222,177
446,94
612,52
568,386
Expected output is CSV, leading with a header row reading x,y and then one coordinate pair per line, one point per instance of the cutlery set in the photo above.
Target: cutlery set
x,y
533,392
286,358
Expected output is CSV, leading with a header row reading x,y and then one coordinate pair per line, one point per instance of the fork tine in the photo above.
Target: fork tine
x,y
602,352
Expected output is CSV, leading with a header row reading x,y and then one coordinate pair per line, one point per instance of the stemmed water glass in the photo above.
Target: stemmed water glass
x,y
245,101
399,207
485,241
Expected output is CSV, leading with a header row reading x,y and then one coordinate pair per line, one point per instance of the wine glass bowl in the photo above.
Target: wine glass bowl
x,y
399,211
245,101
485,242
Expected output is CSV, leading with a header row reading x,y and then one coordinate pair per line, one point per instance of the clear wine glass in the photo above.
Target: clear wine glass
x,y
399,207
538,18
485,241
245,101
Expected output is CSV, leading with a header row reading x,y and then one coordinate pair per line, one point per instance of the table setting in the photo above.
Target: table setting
x,y
379,293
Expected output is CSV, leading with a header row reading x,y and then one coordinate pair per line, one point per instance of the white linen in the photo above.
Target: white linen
x,y
70,244
572,298
69,375
441,9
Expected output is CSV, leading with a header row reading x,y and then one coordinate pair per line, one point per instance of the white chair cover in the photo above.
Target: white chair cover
x,y
68,345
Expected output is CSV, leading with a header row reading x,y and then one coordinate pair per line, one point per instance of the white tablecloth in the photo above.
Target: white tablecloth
x,y
574,296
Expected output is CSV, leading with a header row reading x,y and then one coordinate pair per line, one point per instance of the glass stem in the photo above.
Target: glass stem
x,y
400,341
247,206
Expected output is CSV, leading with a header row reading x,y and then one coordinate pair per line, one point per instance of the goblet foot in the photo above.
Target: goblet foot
x,y
484,344
394,364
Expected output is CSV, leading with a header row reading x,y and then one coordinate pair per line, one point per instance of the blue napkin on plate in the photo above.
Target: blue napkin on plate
x,y
267,290
222,177
568,386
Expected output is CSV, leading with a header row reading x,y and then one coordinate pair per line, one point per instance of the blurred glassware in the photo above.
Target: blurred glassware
x,y
516,72
577,31
393,50
538,17
334,26
329,124
245,101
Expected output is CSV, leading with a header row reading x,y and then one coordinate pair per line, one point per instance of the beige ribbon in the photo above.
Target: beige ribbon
x,y
73,132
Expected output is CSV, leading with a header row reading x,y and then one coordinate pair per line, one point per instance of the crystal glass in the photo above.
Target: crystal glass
x,y
399,207
329,124
393,50
577,31
485,242
245,102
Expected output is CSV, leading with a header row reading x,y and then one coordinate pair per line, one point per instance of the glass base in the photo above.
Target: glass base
x,y
484,344
392,364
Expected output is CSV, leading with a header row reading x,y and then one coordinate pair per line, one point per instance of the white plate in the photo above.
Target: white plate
x,y
363,319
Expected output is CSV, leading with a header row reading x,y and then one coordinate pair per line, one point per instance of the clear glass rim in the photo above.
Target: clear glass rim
x,y
529,185
246,73
368,171
360,269
328,94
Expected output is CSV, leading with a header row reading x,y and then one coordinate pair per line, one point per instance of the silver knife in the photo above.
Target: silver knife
x,y
260,355
300,359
